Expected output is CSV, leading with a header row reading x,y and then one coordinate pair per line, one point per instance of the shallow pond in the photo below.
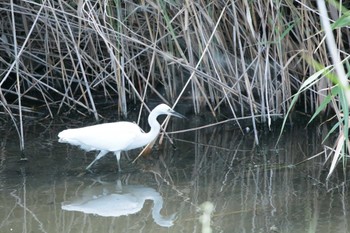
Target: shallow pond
x,y
253,188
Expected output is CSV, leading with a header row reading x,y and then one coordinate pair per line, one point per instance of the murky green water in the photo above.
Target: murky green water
x,y
253,188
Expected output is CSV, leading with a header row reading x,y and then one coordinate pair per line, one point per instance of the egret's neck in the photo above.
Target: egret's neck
x,y
155,126
158,218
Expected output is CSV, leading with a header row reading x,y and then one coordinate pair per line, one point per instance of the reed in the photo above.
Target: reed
x,y
236,58
335,93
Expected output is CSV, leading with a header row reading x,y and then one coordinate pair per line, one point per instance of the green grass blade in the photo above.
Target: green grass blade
x,y
320,108
307,84
331,131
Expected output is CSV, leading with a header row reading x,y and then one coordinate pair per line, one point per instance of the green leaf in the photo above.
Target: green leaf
x,y
331,131
320,108
343,21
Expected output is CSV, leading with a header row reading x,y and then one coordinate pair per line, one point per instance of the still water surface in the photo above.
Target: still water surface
x,y
253,189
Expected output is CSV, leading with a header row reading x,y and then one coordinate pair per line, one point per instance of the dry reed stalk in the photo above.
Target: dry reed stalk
x,y
18,87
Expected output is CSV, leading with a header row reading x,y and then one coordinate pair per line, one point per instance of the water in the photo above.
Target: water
x,y
253,189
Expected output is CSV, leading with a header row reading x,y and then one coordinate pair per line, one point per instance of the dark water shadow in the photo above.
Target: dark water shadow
x,y
253,188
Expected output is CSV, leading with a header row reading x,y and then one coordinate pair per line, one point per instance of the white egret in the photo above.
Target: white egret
x,y
115,137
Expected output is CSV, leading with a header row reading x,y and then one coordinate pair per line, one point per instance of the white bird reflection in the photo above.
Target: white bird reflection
x,y
117,200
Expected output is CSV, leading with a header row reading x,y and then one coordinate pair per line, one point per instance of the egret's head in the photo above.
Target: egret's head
x,y
165,109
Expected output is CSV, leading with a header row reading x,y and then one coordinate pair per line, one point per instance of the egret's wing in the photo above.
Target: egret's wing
x,y
110,136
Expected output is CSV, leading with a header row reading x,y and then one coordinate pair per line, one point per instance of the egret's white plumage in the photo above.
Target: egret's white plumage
x,y
115,137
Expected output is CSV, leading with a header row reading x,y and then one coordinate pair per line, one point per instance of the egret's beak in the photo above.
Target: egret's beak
x,y
173,113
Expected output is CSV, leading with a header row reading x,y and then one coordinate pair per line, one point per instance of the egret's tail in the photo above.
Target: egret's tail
x,y
74,137
63,136
67,136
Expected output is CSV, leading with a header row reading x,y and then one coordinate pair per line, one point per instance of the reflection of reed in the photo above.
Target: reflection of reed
x,y
253,188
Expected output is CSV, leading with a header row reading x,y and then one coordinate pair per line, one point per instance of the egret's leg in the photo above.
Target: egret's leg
x,y
117,155
100,155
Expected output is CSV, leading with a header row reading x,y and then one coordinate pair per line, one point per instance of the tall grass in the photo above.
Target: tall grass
x,y
337,95
235,58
